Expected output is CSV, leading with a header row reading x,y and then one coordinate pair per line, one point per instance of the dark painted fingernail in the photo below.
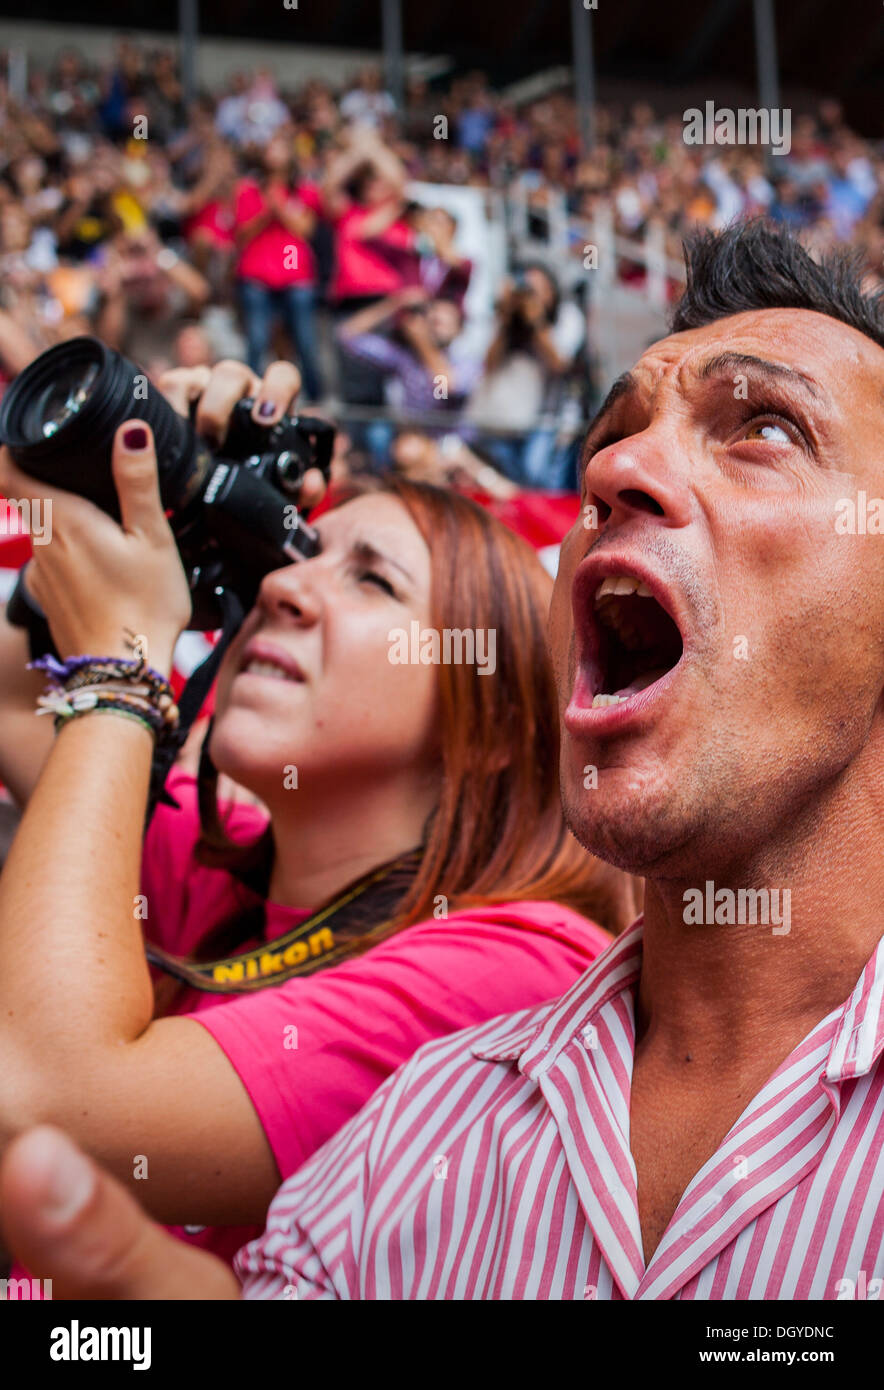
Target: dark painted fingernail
x,y
135,438
266,409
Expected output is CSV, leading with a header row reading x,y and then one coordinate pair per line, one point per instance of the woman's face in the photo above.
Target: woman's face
x,y
276,156
308,680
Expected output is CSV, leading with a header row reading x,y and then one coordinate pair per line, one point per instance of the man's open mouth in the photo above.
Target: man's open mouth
x,y
630,640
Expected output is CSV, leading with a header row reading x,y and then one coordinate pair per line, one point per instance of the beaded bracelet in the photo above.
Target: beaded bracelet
x,y
112,706
82,670
83,684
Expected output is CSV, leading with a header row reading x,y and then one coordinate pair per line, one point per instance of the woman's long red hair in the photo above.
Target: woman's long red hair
x,y
497,833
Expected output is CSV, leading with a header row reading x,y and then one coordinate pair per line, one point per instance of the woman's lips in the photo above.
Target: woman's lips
x,y
263,658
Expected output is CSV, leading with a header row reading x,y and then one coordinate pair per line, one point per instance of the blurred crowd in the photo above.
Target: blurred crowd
x,y
264,222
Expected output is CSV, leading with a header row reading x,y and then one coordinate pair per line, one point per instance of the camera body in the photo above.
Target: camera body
x,y
233,512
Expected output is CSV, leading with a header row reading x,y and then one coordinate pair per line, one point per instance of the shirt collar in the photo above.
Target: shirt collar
x,y
859,1037
537,1041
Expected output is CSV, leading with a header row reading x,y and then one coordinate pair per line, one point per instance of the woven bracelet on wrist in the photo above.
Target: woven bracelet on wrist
x,y
111,707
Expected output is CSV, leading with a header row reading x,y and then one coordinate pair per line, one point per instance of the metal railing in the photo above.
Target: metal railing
x,y
557,246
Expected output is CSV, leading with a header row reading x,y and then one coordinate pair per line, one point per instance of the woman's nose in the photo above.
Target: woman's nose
x,y
292,591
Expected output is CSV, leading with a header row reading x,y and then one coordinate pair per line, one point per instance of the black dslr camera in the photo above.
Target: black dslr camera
x,y
233,511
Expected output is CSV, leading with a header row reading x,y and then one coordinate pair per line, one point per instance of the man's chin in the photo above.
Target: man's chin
x,y
631,826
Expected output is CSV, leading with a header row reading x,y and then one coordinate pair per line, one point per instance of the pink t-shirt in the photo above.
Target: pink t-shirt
x,y
214,219
275,256
360,269
358,1021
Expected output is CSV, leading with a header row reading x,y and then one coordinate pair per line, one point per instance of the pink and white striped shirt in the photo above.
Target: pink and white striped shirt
x,y
496,1165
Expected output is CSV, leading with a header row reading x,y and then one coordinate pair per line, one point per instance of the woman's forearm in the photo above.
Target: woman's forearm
x,y
300,221
73,974
247,231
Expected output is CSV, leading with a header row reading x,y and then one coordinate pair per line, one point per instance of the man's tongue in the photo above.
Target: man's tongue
x,y
642,682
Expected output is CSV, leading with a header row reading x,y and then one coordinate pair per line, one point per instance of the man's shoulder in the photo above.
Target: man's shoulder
x,y
442,1062
507,1036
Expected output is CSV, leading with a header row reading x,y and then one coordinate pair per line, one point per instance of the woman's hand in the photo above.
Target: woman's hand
x,y
216,391
67,1220
97,578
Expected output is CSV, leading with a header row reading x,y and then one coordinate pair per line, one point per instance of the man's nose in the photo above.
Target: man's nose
x,y
642,473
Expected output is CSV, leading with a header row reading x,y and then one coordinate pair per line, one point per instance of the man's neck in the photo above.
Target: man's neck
x,y
725,990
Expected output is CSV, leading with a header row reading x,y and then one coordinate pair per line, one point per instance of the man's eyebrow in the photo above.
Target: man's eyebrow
x,y
368,554
773,371
625,384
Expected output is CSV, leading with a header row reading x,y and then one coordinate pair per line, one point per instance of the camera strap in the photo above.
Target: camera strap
x,y
329,936
192,699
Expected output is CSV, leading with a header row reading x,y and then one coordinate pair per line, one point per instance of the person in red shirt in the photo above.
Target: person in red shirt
x,y
274,219
363,196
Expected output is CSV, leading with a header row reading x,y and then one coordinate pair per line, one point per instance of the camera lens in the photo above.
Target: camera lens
x,y
60,415
289,473
52,407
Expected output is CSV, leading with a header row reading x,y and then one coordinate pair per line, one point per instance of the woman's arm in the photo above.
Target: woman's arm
x,y
373,315
296,217
364,146
157,1101
247,231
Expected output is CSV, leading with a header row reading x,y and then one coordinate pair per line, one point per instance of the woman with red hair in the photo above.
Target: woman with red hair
x,y
411,873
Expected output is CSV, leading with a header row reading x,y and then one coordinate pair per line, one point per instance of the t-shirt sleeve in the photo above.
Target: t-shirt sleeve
x,y
311,1052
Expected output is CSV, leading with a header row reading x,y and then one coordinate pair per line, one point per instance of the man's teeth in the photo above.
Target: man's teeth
x,y
640,683
622,584
614,587
267,668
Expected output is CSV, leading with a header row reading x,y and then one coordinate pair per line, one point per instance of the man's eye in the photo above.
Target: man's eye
x,y
374,578
761,429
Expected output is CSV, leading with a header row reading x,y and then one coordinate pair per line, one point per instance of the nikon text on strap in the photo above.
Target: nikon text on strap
x,y
331,935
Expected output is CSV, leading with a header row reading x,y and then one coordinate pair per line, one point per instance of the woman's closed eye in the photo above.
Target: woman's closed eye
x,y
372,577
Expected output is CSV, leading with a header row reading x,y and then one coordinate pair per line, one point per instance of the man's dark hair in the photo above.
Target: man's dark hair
x,y
758,265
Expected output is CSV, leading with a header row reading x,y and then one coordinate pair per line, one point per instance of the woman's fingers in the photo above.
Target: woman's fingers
x,y
217,389
183,385
69,1221
227,384
312,489
280,387
134,464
